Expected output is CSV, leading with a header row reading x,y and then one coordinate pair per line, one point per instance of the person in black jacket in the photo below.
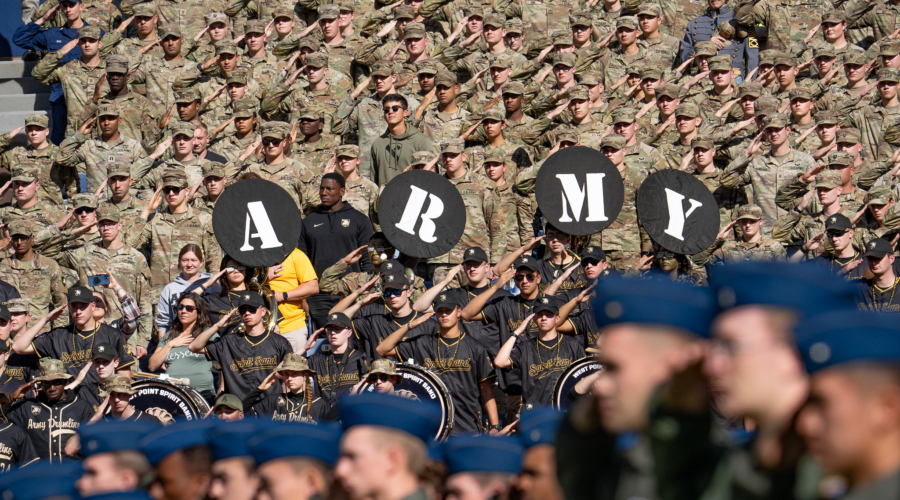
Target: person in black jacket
x,y
328,234
298,404
8,292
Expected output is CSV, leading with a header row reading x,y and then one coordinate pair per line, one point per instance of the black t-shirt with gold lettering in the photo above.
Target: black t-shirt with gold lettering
x,y
486,333
541,363
73,347
871,297
20,368
338,373
508,313
246,361
462,363
16,449
372,330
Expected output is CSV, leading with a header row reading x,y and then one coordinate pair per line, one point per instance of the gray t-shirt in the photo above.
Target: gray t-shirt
x,y
182,363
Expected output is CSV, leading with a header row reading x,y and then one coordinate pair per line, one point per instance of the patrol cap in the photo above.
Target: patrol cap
x,y
888,75
494,155
499,61
406,12
567,135
384,366
37,120
749,212
494,114
446,78
514,26
838,221
187,96
834,339
492,454
720,63
475,254
566,59
117,169
708,49
538,426
382,68
629,22
824,50
309,114
674,305
116,63
880,195
24,173
562,37
179,436
855,57
226,46
230,439
144,10
453,146
767,57
120,384
702,141
753,89
347,150
21,227
92,32
254,26
42,481
800,93
842,158
847,136
514,88
889,49
295,363
834,16
494,20
668,90
593,253
17,305
309,43
107,436
104,350
250,298
548,304
473,11
284,12
688,109
623,115
299,440
80,295
828,117
579,18
239,77
169,30
651,72
650,9
414,31
808,290
229,401
338,319
527,262
329,11
109,109
421,158
427,67
217,17
394,412
878,248
108,213
615,141
785,60
174,178
591,78
275,130
182,128
829,179
4,315
776,120
445,300
394,281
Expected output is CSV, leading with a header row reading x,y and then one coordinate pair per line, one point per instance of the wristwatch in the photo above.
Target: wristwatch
x,y
284,296
495,427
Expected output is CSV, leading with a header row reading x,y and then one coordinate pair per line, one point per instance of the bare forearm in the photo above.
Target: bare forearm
x,y
391,341
199,343
502,359
490,404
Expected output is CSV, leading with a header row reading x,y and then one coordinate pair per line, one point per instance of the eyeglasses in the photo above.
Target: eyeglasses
x,y
271,142
394,108
232,269
556,236
835,233
378,377
171,190
667,255
190,309
80,211
392,293
379,249
525,277
244,309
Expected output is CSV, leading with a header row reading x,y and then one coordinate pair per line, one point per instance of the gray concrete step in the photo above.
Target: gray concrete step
x,y
10,121
24,85
25,102
16,69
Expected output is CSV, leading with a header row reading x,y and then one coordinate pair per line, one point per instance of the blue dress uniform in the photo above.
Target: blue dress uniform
x,y
741,50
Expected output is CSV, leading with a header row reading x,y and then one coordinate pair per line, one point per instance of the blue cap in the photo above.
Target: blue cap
x,y
231,439
483,454
654,301
422,420
300,439
114,435
539,426
123,495
808,289
42,480
178,436
847,336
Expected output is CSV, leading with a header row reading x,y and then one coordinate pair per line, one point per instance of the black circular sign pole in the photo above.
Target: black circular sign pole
x,y
257,223
422,214
579,191
678,211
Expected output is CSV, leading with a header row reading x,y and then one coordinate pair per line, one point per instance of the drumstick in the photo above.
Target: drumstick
x,y
179,381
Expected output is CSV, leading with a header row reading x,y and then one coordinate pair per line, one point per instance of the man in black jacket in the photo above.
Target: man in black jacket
x,y
8,292
328,234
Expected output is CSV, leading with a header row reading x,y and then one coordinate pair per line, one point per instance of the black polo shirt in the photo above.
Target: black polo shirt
x,y
74,348
246,361
541,363
336,374
371,331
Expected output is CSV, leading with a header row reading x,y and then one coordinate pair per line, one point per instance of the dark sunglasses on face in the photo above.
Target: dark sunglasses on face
x,y
525,277
232,269
380,249
171,190
392,293
394,108
667,255
247,309
271,142
375,378
589,262
19,237
183,307
80,211
835,233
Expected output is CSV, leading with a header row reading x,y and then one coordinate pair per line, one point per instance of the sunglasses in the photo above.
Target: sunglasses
x,y
379,377
525,277
19,237
392,293
171,190
190,309
394,108
80,211
835,233
379,249
271,142
244,309
232,269
667,255
589,262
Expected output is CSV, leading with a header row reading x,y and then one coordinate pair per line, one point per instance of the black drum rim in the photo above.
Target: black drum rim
x,y
192,398
558,394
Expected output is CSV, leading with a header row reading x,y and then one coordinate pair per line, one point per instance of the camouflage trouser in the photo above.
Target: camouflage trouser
x,y
441,270
624,262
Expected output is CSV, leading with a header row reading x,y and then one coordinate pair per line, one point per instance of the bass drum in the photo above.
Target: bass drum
x,y
168,402
423,385
576,372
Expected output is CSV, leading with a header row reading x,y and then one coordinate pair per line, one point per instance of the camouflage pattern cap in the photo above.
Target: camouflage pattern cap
x,y
494,155
855,57
834,16
752,89
514,88
109,109
828,117
720,63
84,200
495,114
226,46
829,179
785,60
688,109
841,158
776,120
187,96
284,12
847,136
499,61
21,227
650,9
651,72
564,59
473,11
708,49
92,32
591,78
421,158
445,78
274,130
765,106
213,169
117,63
405,12
767,57
880,195
382,68
215,17
567,135
614,141
562,37
329,11
308,113
888,75
254,26
317,60
629,22
453,146
25,172
182,128
669,90
21,305
295,363
702,141
108,213
169,30
890,49
38,121
428,67
238,78
800,93
749,212
308,43
579,93
118,169
414,31
119,384
383,367
244,108
622,115
494,20
579,18
174,178
823,50
348,150
514,26
144,10
52,369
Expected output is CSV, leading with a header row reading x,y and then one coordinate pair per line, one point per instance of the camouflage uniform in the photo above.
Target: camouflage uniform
x,y
42,213
510,201
285,103
439,126
204,203
337,281
54,177
790,195
875,119
615,63
77,79
158,75
640,156
795,228
361,194
726,199
880,16
541,17
840,98
314,154
187,15
131,47
129,209
764,248
98,13
708,99
788,21
137,112
663,49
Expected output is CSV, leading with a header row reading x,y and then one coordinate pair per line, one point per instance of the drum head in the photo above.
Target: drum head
x,y
576,372
168,402
423,385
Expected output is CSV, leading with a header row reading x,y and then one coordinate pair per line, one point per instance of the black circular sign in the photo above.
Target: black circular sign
x,y
422,214
579,191
257,223
168,402
576,372
678,211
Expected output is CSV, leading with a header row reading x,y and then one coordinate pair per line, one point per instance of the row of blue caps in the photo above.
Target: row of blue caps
x,y
831,329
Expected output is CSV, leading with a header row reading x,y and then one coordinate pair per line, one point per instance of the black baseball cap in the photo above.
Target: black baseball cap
x,y
80,295
338,319
527,262
394,281
5,346
878,248
545,304
250,299
4,313
595,253
445,300
104,350
475,254
838,221
391,266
